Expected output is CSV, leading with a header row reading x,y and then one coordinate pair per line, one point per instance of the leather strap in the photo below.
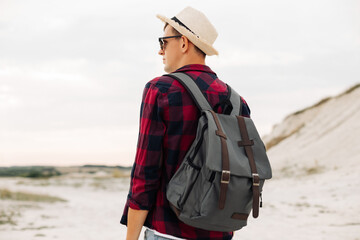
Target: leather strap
x,y
225,174
247,143
240,216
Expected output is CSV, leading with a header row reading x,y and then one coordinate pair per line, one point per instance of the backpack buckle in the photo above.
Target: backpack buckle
x,y
256,179
225,176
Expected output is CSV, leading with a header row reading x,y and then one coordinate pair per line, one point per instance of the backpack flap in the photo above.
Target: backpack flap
x,y
238,154
238,160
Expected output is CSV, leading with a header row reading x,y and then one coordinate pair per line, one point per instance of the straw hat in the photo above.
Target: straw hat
x,y
194,25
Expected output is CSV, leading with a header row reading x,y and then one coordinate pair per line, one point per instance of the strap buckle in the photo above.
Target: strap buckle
x,y
256,179
225,176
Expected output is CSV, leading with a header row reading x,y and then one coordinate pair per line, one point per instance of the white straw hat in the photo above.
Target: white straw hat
x,y
194,25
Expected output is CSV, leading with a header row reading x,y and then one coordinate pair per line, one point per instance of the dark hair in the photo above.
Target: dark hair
x,y
198,50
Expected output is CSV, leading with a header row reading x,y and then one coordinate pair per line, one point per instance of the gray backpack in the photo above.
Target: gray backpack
x,y
222,175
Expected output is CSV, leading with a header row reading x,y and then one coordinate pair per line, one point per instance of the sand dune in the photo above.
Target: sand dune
x,y
314,193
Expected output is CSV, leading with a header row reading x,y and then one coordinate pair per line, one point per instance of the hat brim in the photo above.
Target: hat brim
x,y
207,48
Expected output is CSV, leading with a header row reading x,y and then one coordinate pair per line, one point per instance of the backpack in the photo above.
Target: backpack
x,y
222,175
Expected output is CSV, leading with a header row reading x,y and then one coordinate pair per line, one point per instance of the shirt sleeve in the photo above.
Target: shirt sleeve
x,y
146,172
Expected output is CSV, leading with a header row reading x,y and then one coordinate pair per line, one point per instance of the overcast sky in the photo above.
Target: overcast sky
x,y
72,72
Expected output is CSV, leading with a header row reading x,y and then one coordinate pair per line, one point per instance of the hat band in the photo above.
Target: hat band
x,y
181,24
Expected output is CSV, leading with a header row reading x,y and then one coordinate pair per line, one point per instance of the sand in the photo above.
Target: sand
x,y
302,207
92,211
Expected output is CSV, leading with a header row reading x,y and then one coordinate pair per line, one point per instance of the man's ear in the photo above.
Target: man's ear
x,y
184,44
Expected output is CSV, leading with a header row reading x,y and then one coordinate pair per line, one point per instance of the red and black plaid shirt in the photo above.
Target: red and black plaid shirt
x,y
168,122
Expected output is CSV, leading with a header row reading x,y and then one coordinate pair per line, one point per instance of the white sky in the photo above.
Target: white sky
x,y
72,72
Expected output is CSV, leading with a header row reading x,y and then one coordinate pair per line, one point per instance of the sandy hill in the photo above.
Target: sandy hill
x,y
319,138
314,192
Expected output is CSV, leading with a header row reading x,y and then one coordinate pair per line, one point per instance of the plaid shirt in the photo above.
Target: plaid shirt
x,y
168,122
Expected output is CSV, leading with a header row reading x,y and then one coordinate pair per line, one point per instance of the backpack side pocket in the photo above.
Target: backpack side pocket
x,y
181,185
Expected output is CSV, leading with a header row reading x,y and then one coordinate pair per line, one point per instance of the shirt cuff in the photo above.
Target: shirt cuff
x,y
136,206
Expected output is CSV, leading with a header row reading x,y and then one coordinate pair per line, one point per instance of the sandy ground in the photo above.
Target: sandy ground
x,y
308,207
92,211
294,208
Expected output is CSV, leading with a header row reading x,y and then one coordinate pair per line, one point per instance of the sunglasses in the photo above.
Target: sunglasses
x,y
162,42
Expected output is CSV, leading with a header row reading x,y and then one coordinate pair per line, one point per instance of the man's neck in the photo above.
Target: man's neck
x,y
197,60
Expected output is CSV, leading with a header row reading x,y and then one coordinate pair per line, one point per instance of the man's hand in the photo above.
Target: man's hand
x,y
136,219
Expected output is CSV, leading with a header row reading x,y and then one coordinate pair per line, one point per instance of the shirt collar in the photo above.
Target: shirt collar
x,y
195,67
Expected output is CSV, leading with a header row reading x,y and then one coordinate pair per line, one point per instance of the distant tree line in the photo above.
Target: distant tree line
x,y
105,166
30,172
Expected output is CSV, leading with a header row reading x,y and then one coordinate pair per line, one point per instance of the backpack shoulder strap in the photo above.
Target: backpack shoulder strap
x,y
195,92
235,100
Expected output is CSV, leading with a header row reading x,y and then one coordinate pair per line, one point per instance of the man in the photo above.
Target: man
x,y
168,122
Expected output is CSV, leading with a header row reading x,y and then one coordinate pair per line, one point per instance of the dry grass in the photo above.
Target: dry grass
x,y
350,90
321,102
8,217
117,173
274,141
6,194
40,235
37,228
313,170
295,171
